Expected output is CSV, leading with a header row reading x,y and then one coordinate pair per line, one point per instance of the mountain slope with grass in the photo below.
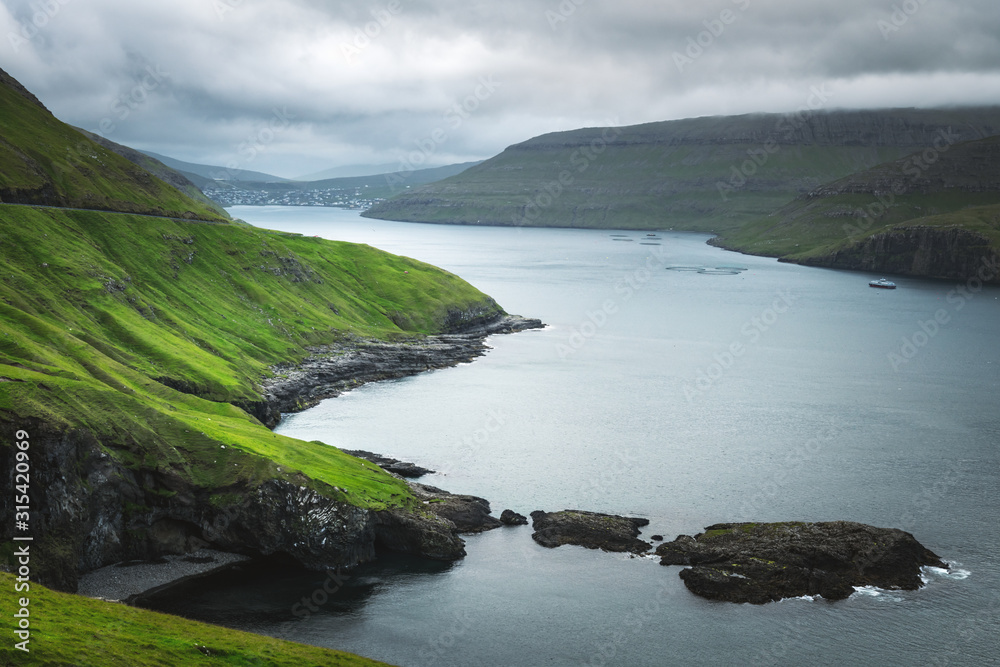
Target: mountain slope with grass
x,y
46,162
134,348
163,172
932,213
702,174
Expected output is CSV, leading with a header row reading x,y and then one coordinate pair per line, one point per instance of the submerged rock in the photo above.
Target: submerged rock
x,y
512,518
589,529
764,562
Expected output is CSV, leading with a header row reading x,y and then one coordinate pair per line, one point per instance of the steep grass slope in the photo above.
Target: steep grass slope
x,y
125,325
44,161
701,174
127,343
160,170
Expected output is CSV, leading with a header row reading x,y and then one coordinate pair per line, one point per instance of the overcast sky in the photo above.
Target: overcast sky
x,y
295,86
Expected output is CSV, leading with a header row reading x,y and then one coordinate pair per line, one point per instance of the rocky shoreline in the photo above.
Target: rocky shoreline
x,y
331,370
317,531
186,535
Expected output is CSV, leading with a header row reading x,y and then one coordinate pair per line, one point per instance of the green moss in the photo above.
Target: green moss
x,y
107,327
74,630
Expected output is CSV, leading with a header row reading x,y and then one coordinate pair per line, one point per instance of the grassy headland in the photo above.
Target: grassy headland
x,y
145,331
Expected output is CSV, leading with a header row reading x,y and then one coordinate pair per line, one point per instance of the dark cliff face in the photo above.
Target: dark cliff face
x,y
89,511
937,252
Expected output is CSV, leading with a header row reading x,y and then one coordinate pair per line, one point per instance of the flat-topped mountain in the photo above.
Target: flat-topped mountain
x,y
700,174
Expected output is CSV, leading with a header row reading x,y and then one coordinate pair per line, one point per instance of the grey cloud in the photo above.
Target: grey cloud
x,y
361,97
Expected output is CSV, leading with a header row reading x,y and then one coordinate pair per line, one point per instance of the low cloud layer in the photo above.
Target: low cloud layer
x,y
294,86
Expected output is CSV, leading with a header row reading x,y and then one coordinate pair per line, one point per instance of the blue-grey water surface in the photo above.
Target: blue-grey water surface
x,y
778,392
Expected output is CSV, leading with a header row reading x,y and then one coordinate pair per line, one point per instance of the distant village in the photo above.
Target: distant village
x,y
339,197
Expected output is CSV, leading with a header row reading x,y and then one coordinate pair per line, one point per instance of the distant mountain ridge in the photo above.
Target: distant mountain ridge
x,y
212,172
699,174
348,171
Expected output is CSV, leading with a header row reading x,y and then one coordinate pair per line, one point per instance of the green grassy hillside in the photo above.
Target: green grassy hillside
x,y
160,170
953,194
105,316
702,174
73,630
45,161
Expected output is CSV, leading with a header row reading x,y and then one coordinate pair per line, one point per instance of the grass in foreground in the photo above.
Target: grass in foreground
x,y
74,630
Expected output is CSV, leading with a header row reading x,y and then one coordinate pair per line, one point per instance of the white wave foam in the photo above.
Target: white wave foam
x,y
875,592
954,572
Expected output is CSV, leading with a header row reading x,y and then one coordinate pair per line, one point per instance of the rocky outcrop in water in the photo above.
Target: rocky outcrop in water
x,y
764,562
512,518
589,529
333,369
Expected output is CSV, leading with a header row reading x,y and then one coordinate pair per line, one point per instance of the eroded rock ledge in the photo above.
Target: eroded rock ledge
x,y
764,562
331,370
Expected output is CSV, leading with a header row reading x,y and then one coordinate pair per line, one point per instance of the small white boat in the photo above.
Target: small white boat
x,y
882,283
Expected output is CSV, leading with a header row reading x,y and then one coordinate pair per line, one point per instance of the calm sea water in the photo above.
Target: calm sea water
x,y
761,391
